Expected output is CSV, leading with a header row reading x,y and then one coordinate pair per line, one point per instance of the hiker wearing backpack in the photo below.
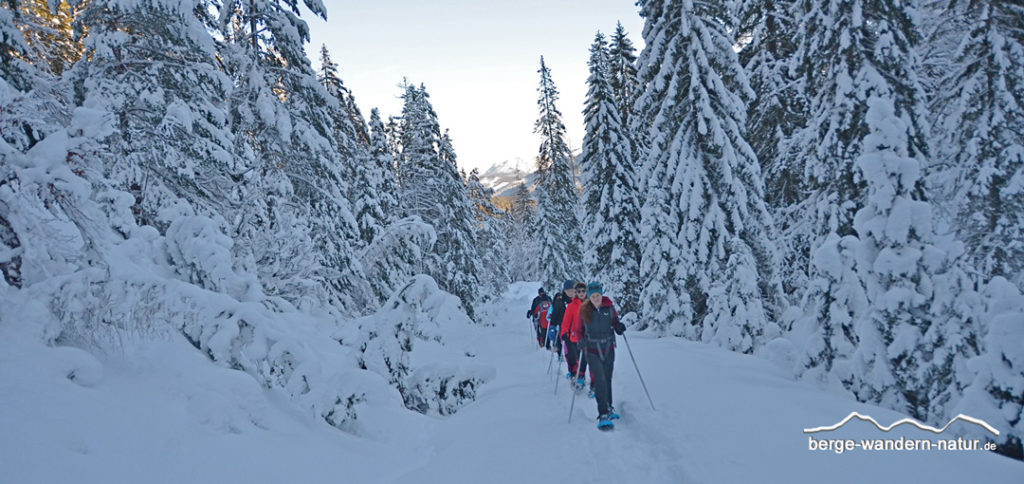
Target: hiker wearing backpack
x,y
558,305
570,333
541,295
600,325
534,313
543,318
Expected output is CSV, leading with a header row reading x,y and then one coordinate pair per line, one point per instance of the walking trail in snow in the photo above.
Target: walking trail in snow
x,y
171,416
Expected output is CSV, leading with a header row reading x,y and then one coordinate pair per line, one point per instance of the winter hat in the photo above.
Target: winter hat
x,y
594,287
540,291
567,284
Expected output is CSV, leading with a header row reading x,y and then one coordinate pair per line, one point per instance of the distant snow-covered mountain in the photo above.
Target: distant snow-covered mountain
x,y
505,176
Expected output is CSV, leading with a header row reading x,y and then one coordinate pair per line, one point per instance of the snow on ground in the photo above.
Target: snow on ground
x,y
162,413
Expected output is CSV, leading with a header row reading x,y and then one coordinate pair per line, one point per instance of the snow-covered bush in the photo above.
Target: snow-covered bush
x,y
443,389
395,253
997,393
407,343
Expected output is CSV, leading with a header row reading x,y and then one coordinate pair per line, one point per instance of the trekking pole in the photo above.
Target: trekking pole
x,y
551,359
572,404
624,338
554,351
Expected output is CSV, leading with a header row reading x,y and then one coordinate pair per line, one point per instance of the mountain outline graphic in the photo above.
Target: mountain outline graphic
x,y
867,418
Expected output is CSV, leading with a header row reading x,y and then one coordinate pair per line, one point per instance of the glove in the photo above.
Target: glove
x,y
620,328
565,338
528,315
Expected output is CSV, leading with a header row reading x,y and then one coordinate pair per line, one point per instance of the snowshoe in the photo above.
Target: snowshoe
x,y
591,394
611,414
604,422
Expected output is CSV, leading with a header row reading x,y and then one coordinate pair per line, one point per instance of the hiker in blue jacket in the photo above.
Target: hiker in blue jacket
x,y
600,325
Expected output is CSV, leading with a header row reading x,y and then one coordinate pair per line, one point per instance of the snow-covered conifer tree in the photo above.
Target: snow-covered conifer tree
x,y
30,95
331,79
864,151
487,234
459,265
380,203
153,66
623,73
284,118
770,58
706,232
520,232
396,246
432,190
558,229
979,136
13,48
419,163
49,31
611,211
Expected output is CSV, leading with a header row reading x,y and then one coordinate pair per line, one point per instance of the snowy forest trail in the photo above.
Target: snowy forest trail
x,y
517,430
164,413
722,417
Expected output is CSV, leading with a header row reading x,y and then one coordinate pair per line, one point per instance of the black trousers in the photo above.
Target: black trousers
x,y
572,353
601,367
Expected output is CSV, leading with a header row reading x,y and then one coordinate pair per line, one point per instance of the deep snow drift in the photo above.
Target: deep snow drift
x,y
161,412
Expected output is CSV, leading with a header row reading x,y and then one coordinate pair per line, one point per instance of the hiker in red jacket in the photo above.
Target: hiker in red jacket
x,y
571,332
542,313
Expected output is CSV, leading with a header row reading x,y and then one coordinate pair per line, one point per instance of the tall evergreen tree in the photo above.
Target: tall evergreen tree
x,y
459,264
974,57
395,247
433,191
611,212
521,233
384,163
331,79
283,117
153,66
557,197
623,72
487,235
864,149
419,167
979,134
705,227
770,58
355,163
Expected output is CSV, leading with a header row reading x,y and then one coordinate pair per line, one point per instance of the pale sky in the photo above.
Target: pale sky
x,y
478,60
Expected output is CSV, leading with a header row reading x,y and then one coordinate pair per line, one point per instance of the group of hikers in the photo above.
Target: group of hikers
x,y
581,323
